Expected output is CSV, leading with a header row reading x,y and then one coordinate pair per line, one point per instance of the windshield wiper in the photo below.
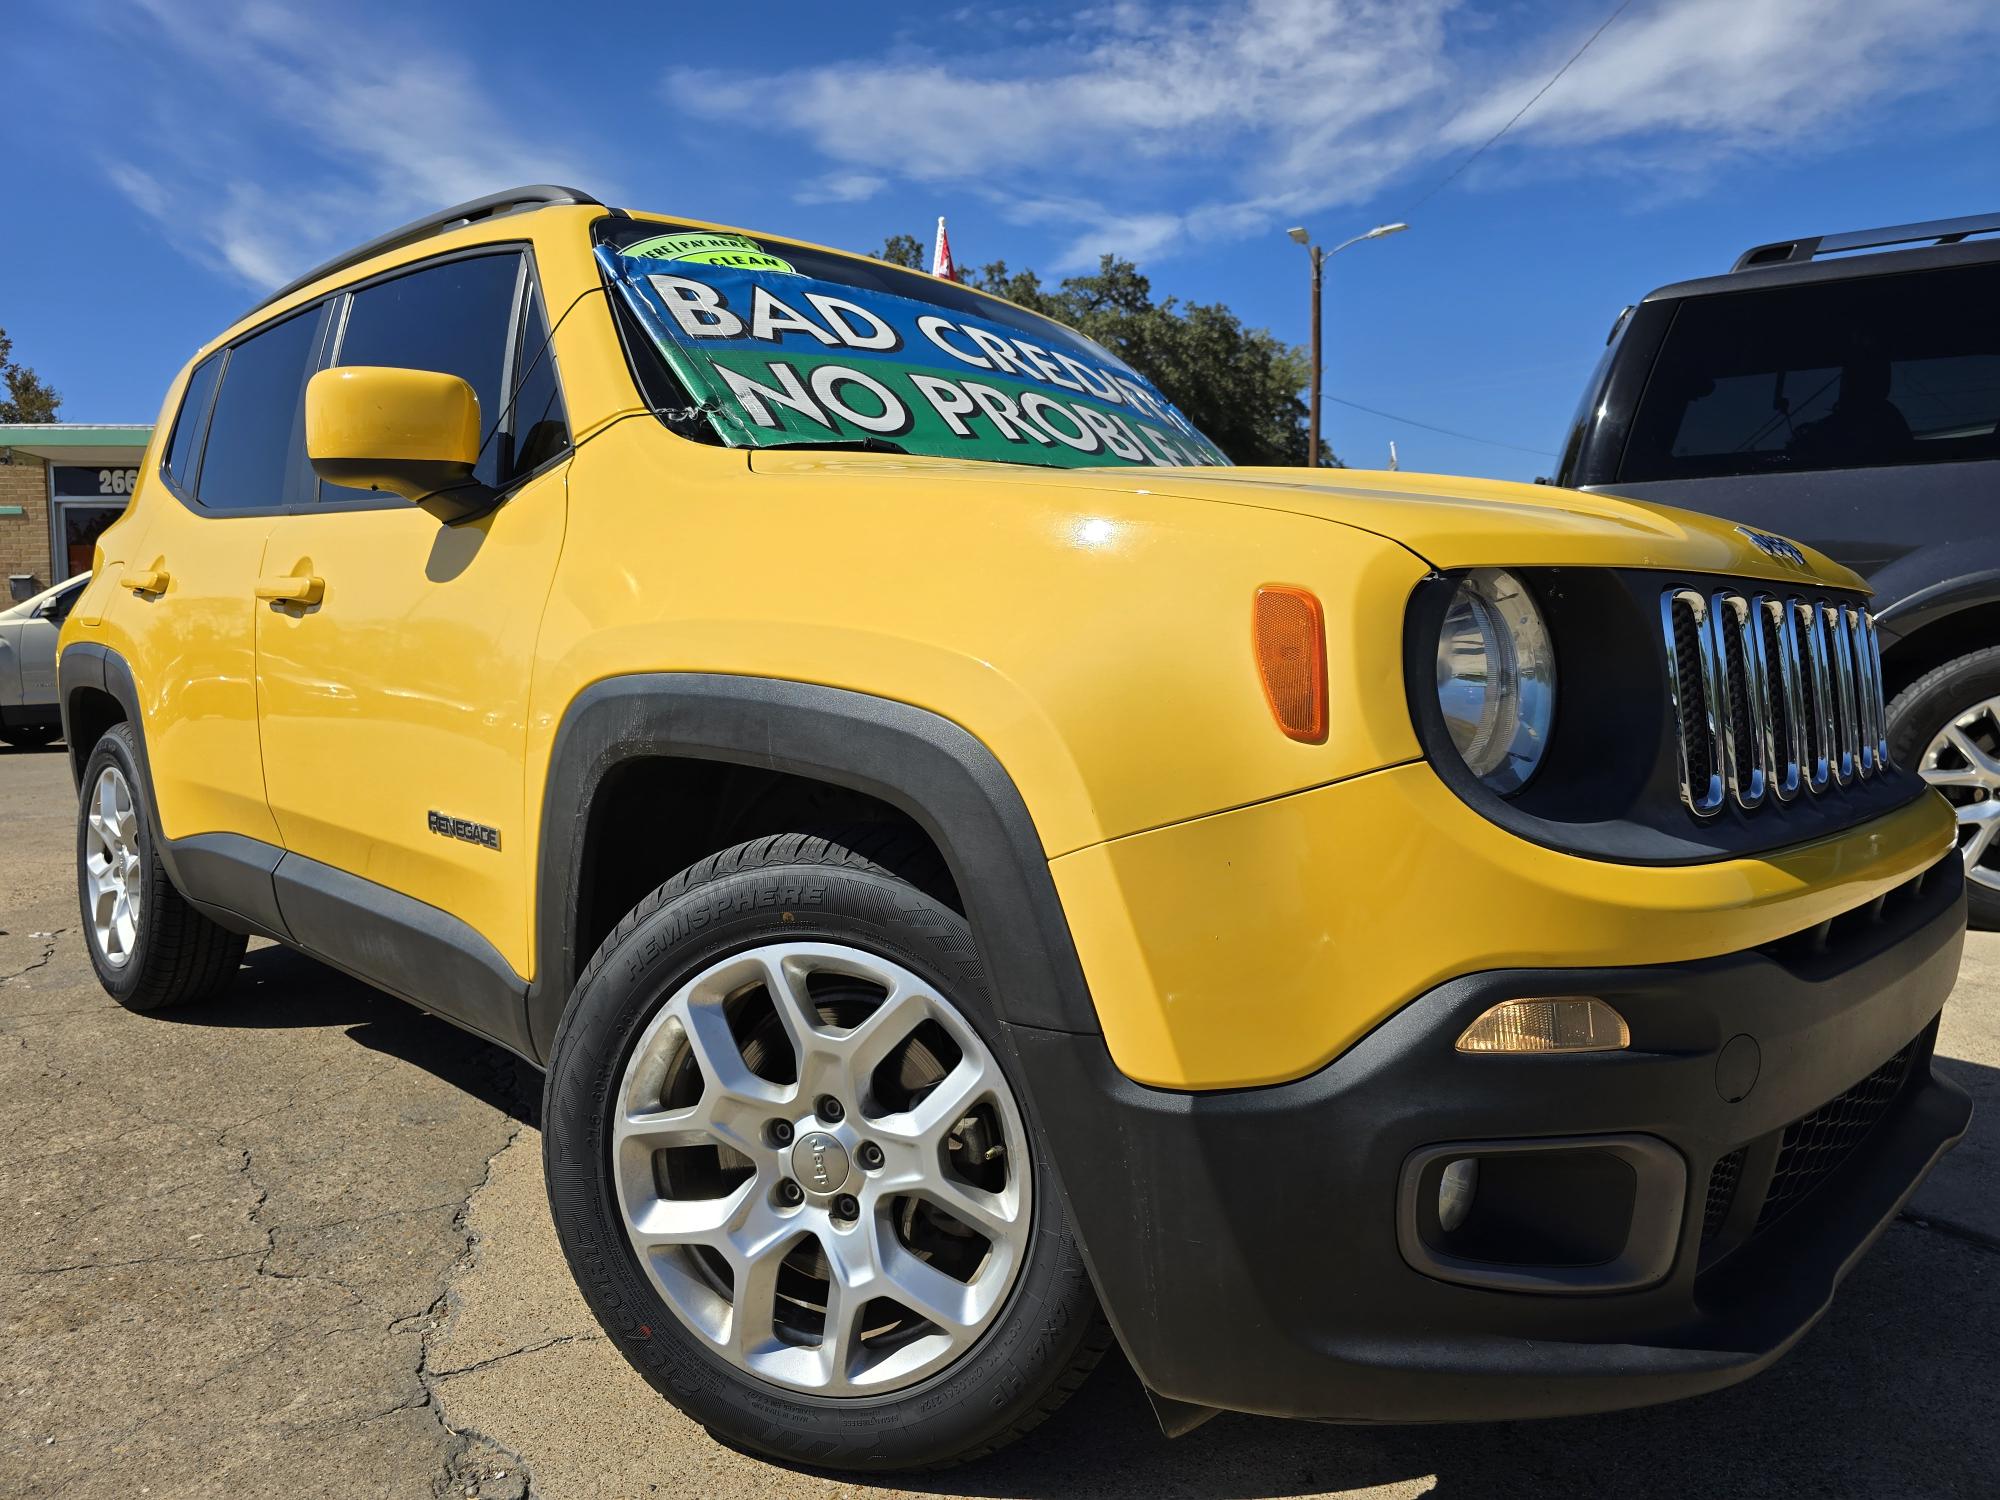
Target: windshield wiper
x,y
840,445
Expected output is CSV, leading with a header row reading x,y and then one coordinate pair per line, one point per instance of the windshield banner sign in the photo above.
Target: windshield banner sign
x,y
776,357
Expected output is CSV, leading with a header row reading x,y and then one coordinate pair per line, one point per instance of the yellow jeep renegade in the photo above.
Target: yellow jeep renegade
x,y
984,877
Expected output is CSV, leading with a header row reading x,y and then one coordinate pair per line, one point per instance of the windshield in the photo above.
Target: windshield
x,y
779,345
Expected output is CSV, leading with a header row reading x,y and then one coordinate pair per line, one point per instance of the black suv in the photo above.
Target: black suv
x,y
1844,391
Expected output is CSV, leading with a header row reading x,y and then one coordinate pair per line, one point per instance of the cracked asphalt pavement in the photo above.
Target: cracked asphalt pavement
x,y
296,1242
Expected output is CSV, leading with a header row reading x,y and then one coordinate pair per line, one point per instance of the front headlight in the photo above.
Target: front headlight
x,y
1496,678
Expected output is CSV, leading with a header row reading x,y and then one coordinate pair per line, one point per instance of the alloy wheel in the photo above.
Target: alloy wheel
x,y
822,1169
112,872
1963,762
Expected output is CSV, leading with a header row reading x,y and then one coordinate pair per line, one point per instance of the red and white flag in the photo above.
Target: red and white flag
x,y
941,255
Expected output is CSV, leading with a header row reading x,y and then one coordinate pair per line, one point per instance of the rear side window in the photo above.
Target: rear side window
x,y
1841,375
184,447
257,435
456,318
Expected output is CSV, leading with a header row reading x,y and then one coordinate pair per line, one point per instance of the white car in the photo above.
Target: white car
x,y
28,711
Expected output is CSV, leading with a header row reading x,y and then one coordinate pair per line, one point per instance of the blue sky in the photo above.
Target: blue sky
x,y
181,156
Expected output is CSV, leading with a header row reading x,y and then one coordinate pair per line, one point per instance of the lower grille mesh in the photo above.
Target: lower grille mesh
x,y
1817,1144
1721,1193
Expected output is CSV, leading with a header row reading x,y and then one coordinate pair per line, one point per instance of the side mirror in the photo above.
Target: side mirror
x,y
414,433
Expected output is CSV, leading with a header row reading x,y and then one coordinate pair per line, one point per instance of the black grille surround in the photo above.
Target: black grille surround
x,y
1635,678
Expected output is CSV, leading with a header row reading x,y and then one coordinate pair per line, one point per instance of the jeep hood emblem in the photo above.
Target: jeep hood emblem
x,y
1774,546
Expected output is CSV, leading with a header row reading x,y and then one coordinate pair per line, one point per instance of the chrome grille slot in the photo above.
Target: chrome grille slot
x,y
1874,705
1818,676
1778,635
1746,713
1846,714
1771,697
1694,688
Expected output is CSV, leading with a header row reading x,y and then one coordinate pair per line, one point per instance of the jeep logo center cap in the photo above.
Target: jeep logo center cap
x,y
820,1163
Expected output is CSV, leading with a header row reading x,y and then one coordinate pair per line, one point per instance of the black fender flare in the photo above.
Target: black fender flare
x,y
917,761
86,664
1905,616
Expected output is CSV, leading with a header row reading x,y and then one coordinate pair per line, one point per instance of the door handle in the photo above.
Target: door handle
x,y
146,581
292,588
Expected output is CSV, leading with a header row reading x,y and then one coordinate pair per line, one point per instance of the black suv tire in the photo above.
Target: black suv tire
x,y
863,890
1918,715
176,955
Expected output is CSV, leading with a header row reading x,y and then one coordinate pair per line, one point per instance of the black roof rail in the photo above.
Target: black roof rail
x,y
492,206
1936,232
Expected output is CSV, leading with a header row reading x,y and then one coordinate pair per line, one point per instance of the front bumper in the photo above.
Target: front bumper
x,y
1256,946
1246,1243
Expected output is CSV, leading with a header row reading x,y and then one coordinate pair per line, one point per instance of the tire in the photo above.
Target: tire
x,y
856,898
168,953
29,736
1963,692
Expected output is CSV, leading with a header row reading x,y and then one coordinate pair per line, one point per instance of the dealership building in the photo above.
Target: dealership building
x,y
61,484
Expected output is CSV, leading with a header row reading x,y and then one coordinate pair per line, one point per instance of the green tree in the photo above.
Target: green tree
x,y
903,250
1241,386
29,398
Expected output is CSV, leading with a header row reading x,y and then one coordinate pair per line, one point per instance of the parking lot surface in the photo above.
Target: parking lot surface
x,y
296,1243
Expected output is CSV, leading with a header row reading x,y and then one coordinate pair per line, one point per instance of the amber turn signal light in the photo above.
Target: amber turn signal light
x,y
1289,633
1567,1023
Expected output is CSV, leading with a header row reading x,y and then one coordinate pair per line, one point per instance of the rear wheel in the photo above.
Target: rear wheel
x,y
150,948
793,1174
1946,724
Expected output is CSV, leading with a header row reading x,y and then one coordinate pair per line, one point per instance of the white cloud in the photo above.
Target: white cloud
x,y
1737,74
261,139
141,187
1169,124
1135,236
842,187
334,142
1127,82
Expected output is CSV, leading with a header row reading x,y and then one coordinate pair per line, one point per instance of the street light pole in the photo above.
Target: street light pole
x,y
1319,259
1312,438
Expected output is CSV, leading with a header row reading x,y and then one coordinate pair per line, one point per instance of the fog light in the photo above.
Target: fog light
x,y
1569,1024
1455,1190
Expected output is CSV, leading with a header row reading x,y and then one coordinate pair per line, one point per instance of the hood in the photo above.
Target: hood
x,y
1450,522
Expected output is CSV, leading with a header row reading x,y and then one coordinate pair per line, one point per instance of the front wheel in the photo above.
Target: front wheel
x,y
792,1172
1946,725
